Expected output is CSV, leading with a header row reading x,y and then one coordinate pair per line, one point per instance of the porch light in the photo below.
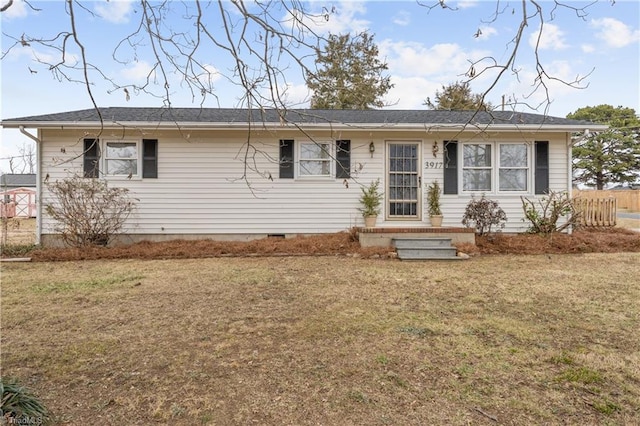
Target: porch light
x,y
435,148
372,148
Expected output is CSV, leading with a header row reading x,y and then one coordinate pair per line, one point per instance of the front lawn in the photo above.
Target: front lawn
x,y
332,340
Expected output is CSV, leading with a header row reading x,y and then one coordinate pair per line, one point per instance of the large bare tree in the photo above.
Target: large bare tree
x,y
265,41
255,45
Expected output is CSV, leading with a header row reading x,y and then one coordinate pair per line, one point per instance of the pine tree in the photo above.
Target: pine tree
x,y
612,156
350,75
458,97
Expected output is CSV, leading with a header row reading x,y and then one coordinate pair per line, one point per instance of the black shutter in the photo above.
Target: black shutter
x,y
343,159
91,158
542,167
450,167
286,159
149,158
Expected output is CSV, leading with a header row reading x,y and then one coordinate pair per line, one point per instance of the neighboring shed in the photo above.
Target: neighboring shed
x,y
18,195
16,180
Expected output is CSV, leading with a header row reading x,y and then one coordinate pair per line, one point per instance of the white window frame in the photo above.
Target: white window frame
x,y
138,159
526,167
330,160
495,168
490,168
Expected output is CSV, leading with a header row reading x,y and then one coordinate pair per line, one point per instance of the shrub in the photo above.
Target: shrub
x,y
87,211
20,405
544,213
433,199
484,214
371,199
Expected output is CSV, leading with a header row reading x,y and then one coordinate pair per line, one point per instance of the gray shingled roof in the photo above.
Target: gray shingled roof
x,y
122,115
14,180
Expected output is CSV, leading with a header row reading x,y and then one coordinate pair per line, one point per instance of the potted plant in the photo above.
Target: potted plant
x,y
433,200
370,200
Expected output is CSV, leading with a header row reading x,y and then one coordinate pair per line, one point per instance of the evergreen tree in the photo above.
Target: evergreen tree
x,y
350,75
612,156
458,97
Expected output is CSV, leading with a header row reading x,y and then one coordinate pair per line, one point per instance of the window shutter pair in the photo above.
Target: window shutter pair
x,y
91,160
541,171
343,159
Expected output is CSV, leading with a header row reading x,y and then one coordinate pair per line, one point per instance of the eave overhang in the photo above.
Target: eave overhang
x,y
471,127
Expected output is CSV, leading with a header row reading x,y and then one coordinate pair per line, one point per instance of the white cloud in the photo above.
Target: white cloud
x,y
114,11
615,33
17,10
418,71
297,95
587,48
484,33
409,59
37,59
209,77
410,92
525,89
465,4
137,73
552,38
402,18
342,20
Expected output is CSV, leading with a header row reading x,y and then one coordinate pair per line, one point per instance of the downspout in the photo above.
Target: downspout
x,y
38,142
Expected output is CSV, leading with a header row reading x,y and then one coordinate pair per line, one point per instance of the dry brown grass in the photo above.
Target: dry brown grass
x,y
19,231
628,223
334,340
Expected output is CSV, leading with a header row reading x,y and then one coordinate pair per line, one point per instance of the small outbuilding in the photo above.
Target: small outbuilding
x,y
18,195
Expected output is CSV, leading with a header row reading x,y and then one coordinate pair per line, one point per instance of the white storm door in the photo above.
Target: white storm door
x,y
404,180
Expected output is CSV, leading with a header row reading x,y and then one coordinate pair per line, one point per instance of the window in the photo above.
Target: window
x,y
121,158
476,167
504,163
514,167
315,159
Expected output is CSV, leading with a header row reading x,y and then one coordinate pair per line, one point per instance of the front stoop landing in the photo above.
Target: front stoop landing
x,y
382,237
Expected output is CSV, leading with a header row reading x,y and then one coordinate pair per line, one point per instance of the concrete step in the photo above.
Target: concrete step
x,y
430,253
425,248
424,242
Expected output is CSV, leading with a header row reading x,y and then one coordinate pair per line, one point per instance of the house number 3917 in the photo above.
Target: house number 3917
x,y
433,164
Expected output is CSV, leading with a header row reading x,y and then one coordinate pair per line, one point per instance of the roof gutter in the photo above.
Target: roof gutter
x,y
306,126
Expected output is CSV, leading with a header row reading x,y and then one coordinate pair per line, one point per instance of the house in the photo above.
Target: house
x,y
242,174
18,195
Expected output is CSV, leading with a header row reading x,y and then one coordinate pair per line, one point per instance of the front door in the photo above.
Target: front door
x,y
404,182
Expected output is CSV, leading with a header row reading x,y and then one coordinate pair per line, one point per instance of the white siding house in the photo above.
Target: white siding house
x,y
210,173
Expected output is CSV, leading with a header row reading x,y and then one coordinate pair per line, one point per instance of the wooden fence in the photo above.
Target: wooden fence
x,y
628,199
596,211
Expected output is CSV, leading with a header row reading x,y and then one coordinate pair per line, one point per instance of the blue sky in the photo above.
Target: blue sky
x,y
424,48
